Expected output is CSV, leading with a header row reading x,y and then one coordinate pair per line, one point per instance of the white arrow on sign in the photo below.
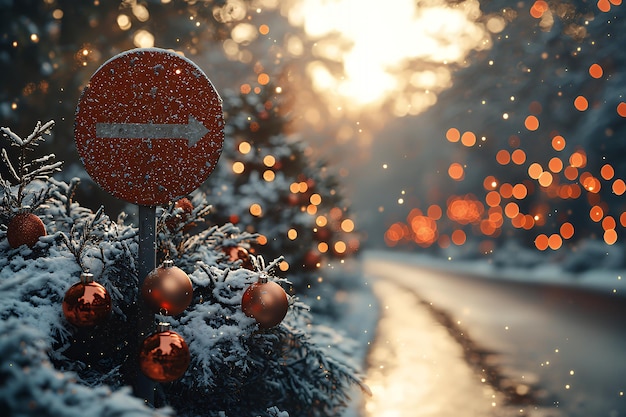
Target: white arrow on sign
x,y
193,131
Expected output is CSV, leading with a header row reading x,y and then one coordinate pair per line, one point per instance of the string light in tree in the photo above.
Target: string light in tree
x,y
167,289
164,356
266,302
86,303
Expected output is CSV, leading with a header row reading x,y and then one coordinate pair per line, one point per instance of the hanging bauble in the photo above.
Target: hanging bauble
x,y
167,289
238,253
164,356
25,228
266,302
86,303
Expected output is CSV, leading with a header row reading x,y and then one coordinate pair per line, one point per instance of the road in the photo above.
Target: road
x,y
508,348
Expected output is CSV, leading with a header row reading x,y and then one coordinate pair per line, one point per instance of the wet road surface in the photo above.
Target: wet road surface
x,y
453,344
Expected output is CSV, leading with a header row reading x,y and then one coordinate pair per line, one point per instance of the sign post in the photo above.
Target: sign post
x,y
144,387
149,129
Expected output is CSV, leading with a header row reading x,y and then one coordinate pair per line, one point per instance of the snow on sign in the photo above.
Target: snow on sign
x,y
149,126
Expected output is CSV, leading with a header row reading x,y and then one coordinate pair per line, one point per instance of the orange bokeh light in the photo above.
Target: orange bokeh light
x,y
518,157
456,171
558,143
506,190
488,228
465,210
545,179
578,159
610,236
541,242
571,173
619,186
621,109
424,230
458,237
596,213
468,139
555,241
581,103
595,70
538,8
503,157
590,183
493,198
535,170
607,172
520,191
608,223
453,134
604,5
555,165
511,210
434,212
531,123
395,233
490,182
567,230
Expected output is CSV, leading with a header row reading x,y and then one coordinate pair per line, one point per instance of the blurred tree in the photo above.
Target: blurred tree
x,y
268,181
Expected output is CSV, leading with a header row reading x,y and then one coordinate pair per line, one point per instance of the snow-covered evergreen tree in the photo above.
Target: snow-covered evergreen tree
x,y
51,367
268,182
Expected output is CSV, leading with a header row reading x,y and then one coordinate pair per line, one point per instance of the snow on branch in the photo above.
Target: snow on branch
x,y
24,171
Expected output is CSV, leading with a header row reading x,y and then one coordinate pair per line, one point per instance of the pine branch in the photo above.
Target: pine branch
x,y
26,172
14,138
9,165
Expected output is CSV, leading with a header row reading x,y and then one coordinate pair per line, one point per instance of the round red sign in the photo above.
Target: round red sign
x,y
149,126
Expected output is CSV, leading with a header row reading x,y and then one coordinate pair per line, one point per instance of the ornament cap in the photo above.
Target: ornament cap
x,y
168,263
263,278
163,327
86,277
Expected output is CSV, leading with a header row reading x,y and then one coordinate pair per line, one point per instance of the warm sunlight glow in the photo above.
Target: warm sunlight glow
x,y
436,33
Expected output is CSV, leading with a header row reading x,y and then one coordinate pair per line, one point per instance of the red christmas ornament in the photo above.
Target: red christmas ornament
x,y
86,303
238,253
187,208
266,302
164,356
167,289
25,228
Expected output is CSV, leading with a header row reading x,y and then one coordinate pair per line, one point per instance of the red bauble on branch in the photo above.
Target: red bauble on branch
x,y
164,356
186,206
167,289
266,302
25,228
86,303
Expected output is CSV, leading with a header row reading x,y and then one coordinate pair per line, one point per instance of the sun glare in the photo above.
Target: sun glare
x,y
376,44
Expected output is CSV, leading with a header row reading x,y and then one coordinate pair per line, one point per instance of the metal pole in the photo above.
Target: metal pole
x,y
144,387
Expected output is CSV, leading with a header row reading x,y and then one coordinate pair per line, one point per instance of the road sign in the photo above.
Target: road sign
x,y
149,126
